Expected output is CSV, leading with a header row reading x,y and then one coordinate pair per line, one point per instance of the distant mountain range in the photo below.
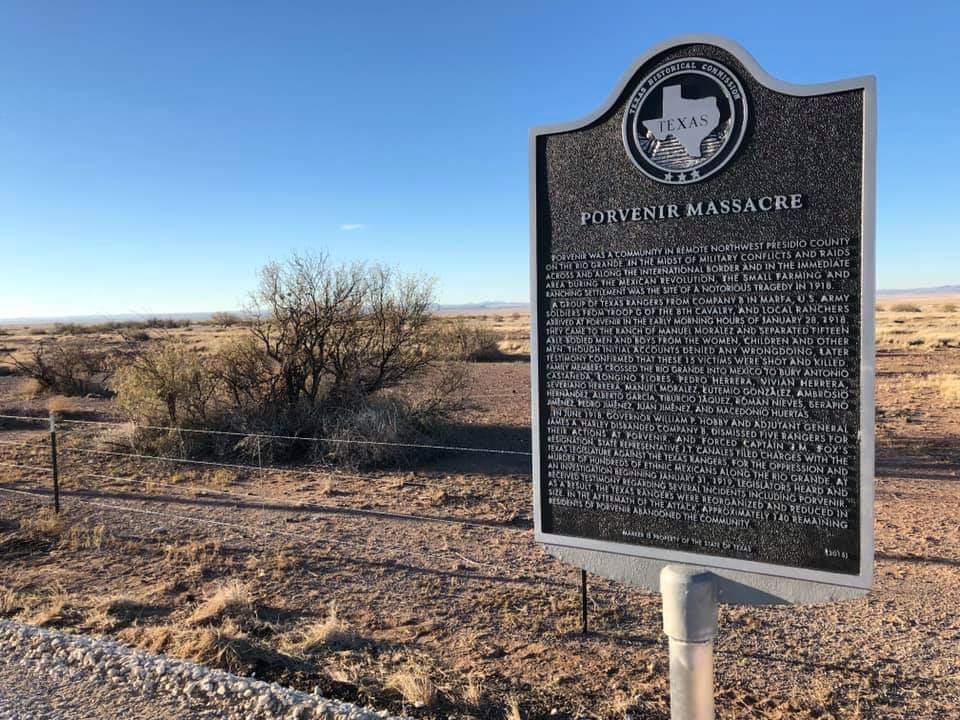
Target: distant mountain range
x,y
942,290
201,316
463,308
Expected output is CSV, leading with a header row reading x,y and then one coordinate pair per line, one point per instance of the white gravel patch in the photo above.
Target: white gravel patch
x,y
45,671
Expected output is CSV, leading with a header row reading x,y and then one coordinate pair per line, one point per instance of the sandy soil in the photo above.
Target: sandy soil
x,y
435,571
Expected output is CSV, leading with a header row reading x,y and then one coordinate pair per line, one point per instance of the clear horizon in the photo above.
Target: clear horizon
x,y
153,159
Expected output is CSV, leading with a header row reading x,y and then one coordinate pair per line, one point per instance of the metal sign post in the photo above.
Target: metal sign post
x,y
690,622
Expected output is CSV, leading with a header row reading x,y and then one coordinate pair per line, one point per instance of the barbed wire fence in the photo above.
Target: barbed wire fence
x,y
45,492
506,570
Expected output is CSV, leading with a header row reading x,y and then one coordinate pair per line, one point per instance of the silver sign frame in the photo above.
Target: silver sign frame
x,y
739,581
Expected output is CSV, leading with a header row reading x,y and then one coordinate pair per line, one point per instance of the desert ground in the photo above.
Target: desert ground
x,y
420,590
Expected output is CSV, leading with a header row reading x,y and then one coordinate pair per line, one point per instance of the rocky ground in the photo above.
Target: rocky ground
x,y
49,674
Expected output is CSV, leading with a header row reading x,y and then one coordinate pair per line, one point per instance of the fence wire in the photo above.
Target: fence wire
x,y
260,498
267,436
396,555
325,473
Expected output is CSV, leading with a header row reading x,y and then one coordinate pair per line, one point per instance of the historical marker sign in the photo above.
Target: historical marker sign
x,y
703,287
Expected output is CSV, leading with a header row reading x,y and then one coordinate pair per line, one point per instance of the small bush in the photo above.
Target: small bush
x,y
224,319
373,433
232,600
906,307
71,329
470,343
166,384
160,324
66,367
329,633
135,335
949,307
415,686
327,352
226,646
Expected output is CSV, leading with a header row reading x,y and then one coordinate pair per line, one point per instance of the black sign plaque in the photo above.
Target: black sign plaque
x,y
702,292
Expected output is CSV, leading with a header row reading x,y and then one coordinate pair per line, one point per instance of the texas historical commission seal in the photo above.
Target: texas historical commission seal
x,y
685,120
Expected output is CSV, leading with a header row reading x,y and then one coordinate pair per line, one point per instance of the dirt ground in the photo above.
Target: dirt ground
x,y
422,590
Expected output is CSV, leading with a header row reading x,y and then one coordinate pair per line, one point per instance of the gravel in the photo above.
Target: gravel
x,y
49,674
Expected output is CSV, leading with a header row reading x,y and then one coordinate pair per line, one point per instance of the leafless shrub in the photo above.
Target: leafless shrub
x,y
325,354
225,319
67,367
333,334
70,329
460,340
906,307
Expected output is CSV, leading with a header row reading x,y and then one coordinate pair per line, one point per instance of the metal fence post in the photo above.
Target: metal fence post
x,y
690,621
53,462
263,502
583,601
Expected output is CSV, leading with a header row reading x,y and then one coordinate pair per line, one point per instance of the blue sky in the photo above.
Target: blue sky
x,y
154,155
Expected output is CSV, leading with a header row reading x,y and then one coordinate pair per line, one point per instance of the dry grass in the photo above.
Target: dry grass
x,y
906,307
948,386
83,537
329,633
473,694
931,328
221,477
58,404
438,496
226,645
415,685
326,486
512,710
155,638
56,610
195,552
117,437
11,602
125,608
45,523
231,600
